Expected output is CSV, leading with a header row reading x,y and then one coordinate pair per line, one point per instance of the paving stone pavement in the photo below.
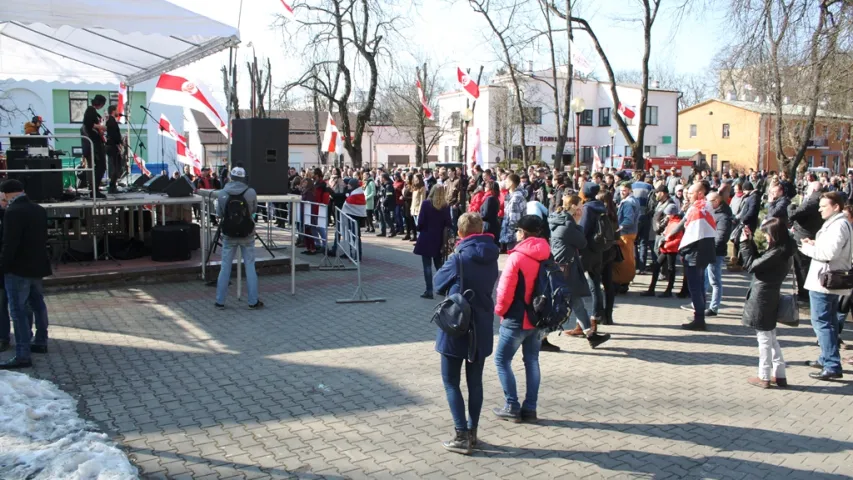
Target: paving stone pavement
x,y
308,388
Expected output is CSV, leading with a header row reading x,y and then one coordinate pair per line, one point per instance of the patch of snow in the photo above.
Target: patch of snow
x,y
42,437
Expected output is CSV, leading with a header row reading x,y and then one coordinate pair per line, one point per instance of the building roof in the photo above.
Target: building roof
x,y
766,108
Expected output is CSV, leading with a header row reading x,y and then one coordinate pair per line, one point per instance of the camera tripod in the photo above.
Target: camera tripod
x,y
217,243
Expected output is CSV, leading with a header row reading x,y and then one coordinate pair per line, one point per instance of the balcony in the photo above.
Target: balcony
x,y
818,143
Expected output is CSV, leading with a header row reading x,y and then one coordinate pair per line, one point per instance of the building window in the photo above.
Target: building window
x,y
533,115
77,104
650,150
454,151
811,161
839,134
651,115
604,152
114,98
725,165
836,163
714,162
693,131
826,131
823,159
628,151
455,119
586,118
586,154
726,130
446,153
604,117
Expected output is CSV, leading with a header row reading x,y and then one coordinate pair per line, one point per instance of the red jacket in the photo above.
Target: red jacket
x,y
671,245
398,192
502,200
525,257
476,202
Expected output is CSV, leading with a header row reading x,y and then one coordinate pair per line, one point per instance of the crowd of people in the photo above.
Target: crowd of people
x,y
603,228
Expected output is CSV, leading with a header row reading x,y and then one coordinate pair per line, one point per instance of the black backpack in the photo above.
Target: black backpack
x,y
604,236
549,307
453,314
237,219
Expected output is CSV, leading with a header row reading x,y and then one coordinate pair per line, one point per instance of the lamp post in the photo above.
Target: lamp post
x,y
612,133
577,106
467,116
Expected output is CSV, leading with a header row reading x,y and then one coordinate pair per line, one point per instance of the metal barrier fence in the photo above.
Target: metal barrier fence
x,y
348,234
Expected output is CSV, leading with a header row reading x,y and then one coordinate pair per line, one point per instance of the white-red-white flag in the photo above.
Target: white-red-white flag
x,y
596,160
288,10
122,99
580,62
139,163
330,137
183,152
166,128
626,111
175,90
468,85
477,154
427,110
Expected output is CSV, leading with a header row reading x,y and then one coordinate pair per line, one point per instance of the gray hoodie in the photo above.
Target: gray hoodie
x,y
235,187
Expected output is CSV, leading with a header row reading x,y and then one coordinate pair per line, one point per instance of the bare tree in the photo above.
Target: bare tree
x,y
501,17
344,35
785,53
261,86
8,109
694,88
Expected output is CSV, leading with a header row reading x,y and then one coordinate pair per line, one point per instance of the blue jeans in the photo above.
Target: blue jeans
x,y
451,375
398,217
5,319
229,250
25,294
579,312
696,284
643,246
714,282
824,313
387,220
428,262
842,317
594,282
509,339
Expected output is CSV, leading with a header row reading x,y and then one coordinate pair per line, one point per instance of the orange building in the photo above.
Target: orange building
x,y
740,135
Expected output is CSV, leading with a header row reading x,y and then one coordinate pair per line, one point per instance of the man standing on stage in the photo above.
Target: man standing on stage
x,y
93,129
114,144
24,263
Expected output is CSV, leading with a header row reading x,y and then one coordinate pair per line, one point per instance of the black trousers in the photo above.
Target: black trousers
x,y
116,165
801,269
668,261
100,167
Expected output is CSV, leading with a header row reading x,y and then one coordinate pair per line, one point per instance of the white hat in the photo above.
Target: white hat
x,y
238,172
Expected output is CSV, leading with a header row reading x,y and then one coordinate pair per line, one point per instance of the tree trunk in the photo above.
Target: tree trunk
x,y
564,114
320,158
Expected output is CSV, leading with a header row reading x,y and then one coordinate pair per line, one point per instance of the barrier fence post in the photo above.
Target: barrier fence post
x,y
347,233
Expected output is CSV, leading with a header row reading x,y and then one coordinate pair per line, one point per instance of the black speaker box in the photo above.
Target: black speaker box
x,y
156,184
260,145
180,187
141,181
40,186
170,243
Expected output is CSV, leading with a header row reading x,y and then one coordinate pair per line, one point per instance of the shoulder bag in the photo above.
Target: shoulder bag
x,y
453,314
837,279
789,312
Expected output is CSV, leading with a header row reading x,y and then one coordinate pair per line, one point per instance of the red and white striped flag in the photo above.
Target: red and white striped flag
x,y
139,163
122,99
288,10
699,224
183,152
626,111
167,130
596,160
427,110
469,85
178,91
330,137
477,154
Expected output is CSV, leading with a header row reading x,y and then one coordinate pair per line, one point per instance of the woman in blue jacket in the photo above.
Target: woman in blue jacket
x,y
478,254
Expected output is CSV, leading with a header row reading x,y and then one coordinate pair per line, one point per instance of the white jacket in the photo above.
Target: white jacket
x,y
832,250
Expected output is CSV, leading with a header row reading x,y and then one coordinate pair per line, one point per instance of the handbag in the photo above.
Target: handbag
x,y
837,279
453,314
789,312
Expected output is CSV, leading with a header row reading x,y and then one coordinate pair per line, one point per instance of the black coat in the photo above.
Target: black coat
x,y
768,274
489,211
748,214
725,224
806,217
778,209
24,250
567,239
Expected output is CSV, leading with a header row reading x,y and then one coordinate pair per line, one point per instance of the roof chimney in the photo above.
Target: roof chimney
x,y
655,84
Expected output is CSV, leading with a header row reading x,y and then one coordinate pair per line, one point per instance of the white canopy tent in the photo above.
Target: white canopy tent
x,y
105,40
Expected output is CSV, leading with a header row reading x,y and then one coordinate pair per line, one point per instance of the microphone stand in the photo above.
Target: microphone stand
x,y
162,149
139,144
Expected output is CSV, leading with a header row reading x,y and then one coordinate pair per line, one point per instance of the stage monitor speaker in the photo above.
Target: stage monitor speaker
x,y
180,187
40,186
141,180
156,184
260,146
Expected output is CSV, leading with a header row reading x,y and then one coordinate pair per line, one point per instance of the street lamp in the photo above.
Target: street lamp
x,y
577,106
612,133
467,116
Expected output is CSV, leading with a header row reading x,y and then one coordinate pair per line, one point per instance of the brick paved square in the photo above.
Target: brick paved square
x,y
308,388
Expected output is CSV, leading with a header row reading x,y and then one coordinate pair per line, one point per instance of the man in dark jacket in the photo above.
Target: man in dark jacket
x,y
806,222
24,263
714,272
749,208
453,191
591,255
478,256
777,203
387,203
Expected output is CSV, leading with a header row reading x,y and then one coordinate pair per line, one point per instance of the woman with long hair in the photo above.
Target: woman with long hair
x,y
607,259
769,271
433,222
418,197
489,211
408,219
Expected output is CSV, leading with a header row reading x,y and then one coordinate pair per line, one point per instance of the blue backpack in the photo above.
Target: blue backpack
x,y
550,306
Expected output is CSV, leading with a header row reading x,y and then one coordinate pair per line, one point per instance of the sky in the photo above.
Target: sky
x,y
450,33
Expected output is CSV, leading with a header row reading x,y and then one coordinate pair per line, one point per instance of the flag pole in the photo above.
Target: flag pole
x,y
231,60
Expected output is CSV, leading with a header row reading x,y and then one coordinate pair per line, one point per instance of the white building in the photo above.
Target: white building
x,y
393,146
500,140
61,106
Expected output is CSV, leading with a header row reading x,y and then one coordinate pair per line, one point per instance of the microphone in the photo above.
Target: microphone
x,y
144,108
